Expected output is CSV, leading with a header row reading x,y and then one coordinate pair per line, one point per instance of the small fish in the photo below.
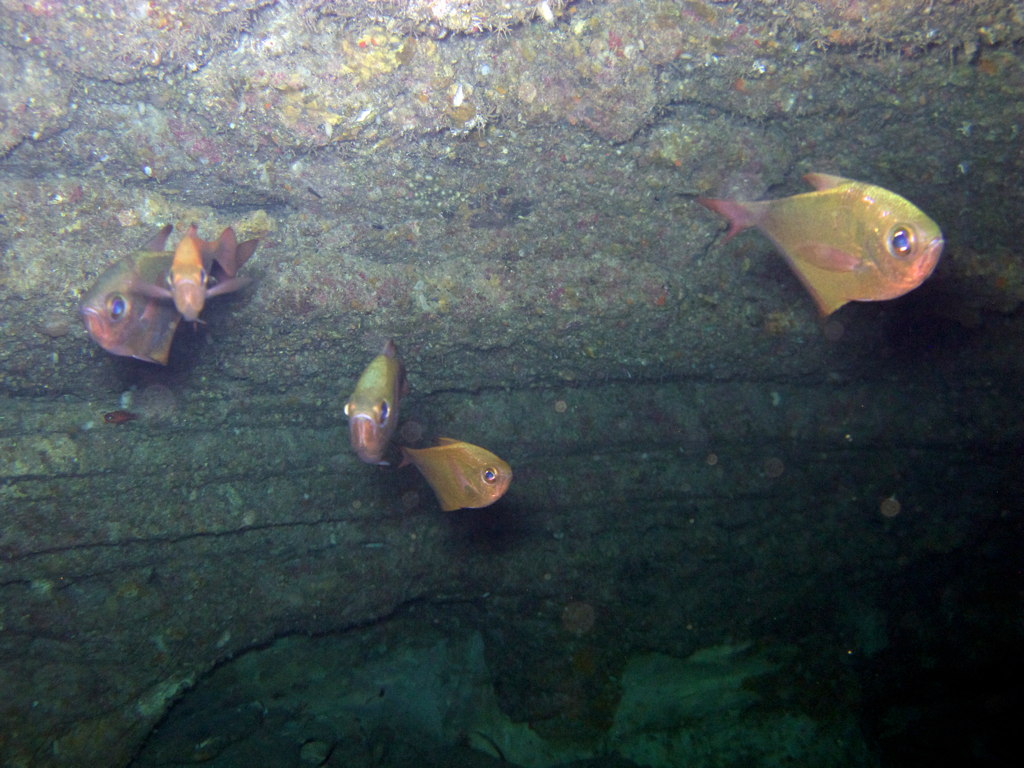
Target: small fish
x,y
200,270
124,320
119,417
373,408
462,475
847,241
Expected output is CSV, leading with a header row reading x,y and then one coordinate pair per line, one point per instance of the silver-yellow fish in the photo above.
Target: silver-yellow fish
x,y
847,241
462,475
372,409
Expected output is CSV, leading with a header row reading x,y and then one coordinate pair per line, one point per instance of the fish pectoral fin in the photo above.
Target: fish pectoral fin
x,y
227,286
152,291
828,258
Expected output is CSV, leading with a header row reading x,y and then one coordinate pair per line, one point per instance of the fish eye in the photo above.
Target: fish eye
x,y
490,475
383,411
348,409
117,306
901,242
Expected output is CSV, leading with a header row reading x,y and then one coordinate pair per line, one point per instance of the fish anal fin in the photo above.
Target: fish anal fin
x,y
824,180
828,288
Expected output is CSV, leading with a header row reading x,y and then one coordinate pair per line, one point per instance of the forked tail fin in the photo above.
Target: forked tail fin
x,y
739,215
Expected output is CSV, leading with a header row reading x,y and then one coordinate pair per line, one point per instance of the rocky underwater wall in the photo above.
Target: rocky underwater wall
x,y
509,191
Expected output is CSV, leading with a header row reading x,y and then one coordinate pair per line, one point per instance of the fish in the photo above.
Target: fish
x,y
846,241
462,475
202,269
119,417
124,320
372,410
131,309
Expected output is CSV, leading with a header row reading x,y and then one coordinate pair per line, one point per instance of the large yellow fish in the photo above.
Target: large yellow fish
x,y
847,241
123,319
462,475
373,408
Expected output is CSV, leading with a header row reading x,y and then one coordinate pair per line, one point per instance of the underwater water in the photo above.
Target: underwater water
x,y
461,431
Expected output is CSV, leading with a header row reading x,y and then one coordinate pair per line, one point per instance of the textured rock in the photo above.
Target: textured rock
x,y
509,196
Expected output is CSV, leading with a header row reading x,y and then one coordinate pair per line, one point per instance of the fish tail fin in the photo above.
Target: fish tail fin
x,y
739,215
406,461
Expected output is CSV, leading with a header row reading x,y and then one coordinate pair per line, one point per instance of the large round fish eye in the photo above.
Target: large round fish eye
x,y
490,475
117,306
901,242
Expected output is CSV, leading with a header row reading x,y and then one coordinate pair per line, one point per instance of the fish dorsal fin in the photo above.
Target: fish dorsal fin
x,y
822,181
447,441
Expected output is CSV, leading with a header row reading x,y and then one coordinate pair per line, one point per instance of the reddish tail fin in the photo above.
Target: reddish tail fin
x,y
740,215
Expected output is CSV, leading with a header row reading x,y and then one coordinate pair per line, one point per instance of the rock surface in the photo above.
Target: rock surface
x,y
505,188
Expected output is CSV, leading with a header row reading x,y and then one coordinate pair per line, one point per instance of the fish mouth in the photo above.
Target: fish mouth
x,y
189,298
93,321
930,258
366,438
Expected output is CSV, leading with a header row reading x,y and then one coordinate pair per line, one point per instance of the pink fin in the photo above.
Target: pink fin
x,y
152,291
159,240
824,181
740,215
406,461
230,254
244,251
826,257
227,286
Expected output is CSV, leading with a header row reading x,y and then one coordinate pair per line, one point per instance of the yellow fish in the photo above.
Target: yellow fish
x,y
373,408
847,241
200,270
462,475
